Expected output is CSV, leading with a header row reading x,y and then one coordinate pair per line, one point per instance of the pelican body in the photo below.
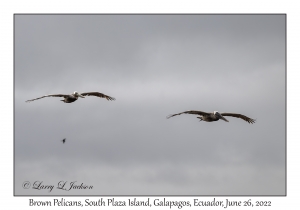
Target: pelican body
x,y
215,116
74,96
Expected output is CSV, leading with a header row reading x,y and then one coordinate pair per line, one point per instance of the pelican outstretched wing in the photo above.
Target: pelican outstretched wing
x,y
53,95
189,112
249,120
101,95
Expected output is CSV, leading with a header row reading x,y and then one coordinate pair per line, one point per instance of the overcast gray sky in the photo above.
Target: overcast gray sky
x,y
154,65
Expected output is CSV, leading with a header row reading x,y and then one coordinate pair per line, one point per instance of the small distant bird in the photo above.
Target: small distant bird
x,y
74,96
215,116
63,141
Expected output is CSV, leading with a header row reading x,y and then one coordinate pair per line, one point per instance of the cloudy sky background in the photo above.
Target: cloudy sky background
x,y
154,65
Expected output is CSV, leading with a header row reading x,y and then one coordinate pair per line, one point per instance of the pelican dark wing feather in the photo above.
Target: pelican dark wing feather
x,y
249,120
52,95
101,95
189,112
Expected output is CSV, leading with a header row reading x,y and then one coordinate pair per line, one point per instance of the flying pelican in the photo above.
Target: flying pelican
x,y
215,116
74,96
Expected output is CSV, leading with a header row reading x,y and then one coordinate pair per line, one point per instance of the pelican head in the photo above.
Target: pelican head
x,y
78,94
216,113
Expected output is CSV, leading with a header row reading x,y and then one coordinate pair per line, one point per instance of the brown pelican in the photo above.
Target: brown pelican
x,y
215,116
74,96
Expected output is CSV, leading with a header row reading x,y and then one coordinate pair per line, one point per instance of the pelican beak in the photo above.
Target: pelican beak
x,y
223,118
80,95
